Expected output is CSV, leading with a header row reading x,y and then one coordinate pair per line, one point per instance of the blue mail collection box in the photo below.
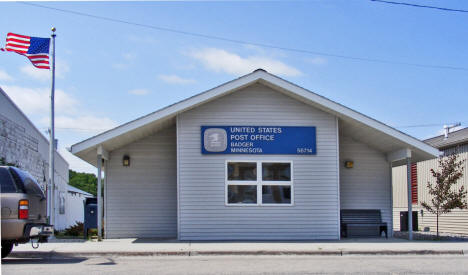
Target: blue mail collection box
x,y
90,215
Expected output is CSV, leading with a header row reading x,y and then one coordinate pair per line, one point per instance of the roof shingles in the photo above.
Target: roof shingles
x,y
454,138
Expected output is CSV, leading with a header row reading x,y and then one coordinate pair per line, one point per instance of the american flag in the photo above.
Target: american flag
x,y
34,48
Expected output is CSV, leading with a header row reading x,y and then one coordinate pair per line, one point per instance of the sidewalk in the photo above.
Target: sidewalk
x,y
153,247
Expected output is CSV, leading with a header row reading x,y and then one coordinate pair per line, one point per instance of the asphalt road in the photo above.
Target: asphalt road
x,y
240,265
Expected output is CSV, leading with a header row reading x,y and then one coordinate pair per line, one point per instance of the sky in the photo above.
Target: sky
x,y
109,72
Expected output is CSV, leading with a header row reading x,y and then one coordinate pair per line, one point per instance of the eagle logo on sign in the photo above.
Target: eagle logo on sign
x,y
215,140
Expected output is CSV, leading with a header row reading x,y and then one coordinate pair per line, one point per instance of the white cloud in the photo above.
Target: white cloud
x,y
37,100
76,163
139,92
175,79
317,60
39,74
4,76
61,69
89,123
71,118
219,60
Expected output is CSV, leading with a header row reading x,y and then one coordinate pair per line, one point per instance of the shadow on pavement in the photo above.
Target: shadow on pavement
x,y
157,240
109,262
43,260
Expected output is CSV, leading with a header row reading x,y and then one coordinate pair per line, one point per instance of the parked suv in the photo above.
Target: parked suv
x,y
24,209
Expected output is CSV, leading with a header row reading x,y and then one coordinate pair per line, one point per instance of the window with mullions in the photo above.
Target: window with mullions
x,y
259,183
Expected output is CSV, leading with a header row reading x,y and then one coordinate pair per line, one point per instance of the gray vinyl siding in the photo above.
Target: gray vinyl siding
x,y
203,213
141,200
368,184
455,222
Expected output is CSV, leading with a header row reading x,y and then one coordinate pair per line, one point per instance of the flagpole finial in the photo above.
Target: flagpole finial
x,y
53,29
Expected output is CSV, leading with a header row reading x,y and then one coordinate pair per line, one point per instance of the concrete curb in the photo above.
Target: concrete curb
x,y
405,252
54,254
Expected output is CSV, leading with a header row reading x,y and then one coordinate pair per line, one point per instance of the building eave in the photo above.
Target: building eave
x,y
86,149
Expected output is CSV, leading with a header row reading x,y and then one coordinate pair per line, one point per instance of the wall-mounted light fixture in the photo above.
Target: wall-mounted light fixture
x,y
349,164
126,160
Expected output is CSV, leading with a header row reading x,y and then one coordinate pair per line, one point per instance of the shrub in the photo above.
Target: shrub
x,y
74,230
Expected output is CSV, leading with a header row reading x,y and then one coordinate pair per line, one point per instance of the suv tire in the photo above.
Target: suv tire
x,y
6,248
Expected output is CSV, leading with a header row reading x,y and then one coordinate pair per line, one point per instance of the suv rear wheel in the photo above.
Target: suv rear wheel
x,y
6,248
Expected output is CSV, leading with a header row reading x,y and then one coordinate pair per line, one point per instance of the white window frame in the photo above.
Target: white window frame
x,y
259,183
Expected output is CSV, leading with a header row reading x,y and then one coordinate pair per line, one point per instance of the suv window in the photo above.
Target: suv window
x,y
26,183
17,179
7,184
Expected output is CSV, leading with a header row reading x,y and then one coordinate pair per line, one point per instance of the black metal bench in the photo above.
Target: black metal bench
x,y
362,223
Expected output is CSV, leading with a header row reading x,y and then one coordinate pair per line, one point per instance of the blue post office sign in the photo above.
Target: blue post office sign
x,y
258,140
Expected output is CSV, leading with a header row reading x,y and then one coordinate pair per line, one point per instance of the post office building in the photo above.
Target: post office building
x,y
256,158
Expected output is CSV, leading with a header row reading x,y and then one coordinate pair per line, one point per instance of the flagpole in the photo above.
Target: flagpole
x,y
51,186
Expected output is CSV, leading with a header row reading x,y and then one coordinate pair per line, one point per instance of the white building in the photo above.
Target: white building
x,y
23,144
254,158
74,205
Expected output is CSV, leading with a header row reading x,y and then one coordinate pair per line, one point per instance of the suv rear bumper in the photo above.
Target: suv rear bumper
x,y
21,231
41,231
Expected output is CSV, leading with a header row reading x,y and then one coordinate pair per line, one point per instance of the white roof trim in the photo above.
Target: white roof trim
x,y
345,111
73,189
165,112
257,75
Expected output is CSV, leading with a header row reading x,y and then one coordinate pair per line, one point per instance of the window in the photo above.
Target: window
x,y
259,183
6,181
62,202
276,194
242,194
276,171
245,171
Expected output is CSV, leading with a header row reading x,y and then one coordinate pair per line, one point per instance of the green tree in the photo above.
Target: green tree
x,y
445,196
84,181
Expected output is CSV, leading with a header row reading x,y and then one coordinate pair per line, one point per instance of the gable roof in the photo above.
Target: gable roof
x,y
73,189
454,138
357,125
